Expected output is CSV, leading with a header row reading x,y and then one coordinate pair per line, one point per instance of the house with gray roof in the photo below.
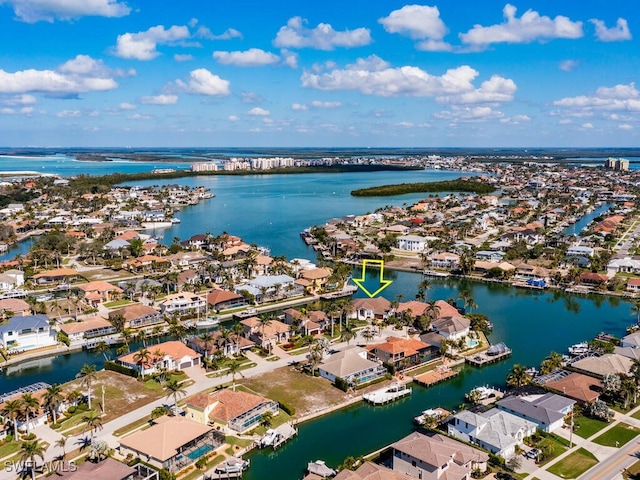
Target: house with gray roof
x,y
27,333
546,411
494,430
353,366
452,328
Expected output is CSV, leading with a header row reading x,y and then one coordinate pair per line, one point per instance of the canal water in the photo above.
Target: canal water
x,y
581,224
532,323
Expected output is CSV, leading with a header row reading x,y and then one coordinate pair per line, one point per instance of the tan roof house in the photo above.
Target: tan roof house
x,y
233,410
273,333
317,277
17,306
137,316
90,327
369,471
607,363
104,291
66,275
172,443
398,351
172,355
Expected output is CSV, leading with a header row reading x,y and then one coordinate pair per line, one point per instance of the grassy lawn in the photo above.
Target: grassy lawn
x,y
632,472
197,474
621,433
118,303
302,392
585,427
146,421
278,420
9,449
553,446
636,415
427,367
574,465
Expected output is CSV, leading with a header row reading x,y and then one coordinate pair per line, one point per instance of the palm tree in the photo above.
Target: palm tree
x,y
238,330
552,362
52,399
29,451
62,443
368,335
635,310
423,287
93,423
102,347
142,358
12,410
30,405
518,376
174,389
234,369
347,333
263,323
159,412
88,374
467,300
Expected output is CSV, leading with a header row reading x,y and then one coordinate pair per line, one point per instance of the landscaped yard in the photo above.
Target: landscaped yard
x,y
574,465
302,392
552,446
632,472
617,435
585,427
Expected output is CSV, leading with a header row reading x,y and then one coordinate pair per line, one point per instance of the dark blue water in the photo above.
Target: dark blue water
x,y
581,224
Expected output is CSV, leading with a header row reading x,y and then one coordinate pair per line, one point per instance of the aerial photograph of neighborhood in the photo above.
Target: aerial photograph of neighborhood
x,y
319,240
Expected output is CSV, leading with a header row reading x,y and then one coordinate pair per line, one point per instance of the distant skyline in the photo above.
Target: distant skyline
x,y
205,73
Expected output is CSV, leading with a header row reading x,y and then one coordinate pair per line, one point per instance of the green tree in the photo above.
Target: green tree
x,y
29,452
62,443
518,376
12,410
93,423
30,405
88,375
174,389
234,369
142,358
52,399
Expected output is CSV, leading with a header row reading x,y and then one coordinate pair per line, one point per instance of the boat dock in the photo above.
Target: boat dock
x,y
432,377
277,436
387,394
493,354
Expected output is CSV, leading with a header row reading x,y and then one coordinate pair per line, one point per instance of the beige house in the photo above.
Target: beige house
x,y
90,327
270,334
229,410
138,316
317,278
99,291
172,355
172,443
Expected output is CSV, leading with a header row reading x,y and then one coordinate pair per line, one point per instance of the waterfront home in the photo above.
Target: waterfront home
x,y
171,355
399,352
185,260
580,251
547,411
582,388
182,304
228,410
27,333
494,256
631,340
38,417
317,278
89,328
99,291
264,287
412,308
599,366
147,263
412,243
219,300
366,471
172,443
369,309
10,279
351,365
59,275
436,457
633,285
594,279
116,245
482,267
107,469
623,265
306,325
495,430
445,260
267,335
231,346
14,307
452,328
525,271
136,316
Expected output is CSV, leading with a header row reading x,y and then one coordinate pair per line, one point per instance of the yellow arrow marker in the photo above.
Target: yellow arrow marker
x,y
383,283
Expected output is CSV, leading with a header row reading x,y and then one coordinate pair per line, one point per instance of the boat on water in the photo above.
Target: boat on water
x,y
387,394
481,393
431,415
269,438
207,322
579,348
175,220
274,437
320,469
152,225
435,273
532,371
232,465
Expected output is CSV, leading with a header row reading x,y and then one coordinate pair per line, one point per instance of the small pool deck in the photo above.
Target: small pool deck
x,y
437,375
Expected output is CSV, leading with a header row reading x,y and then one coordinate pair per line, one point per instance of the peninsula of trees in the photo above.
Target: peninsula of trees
x,y
458,185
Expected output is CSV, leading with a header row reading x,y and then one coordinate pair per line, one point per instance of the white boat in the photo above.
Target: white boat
x,y
579,348
269,438
437,414
207,322
232,465
320,469
481,393
152,225
435,273
387,394
175,220
532,371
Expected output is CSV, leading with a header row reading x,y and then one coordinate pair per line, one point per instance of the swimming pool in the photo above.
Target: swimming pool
x,y
472,343
200,451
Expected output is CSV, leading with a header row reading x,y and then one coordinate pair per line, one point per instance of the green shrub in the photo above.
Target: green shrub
x,y
288,409
342,384
116,367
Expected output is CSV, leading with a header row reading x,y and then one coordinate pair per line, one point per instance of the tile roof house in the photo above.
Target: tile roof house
x,y
607,363
547,411
494,430
233,410
107,469
398,351
270,334
352,365
234,345
172,443
368,471
224,300
582,388
436,457
18,306
371,308
58,275
90,327
182,303
172,355
452,328
104,290
138,316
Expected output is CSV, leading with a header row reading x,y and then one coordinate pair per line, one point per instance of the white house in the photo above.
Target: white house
x,y
494,430
183,303
495,256
11,279
452,328
27,333
371,308
412,243
580,251
352,365
172,355
445,260
623,265
546,411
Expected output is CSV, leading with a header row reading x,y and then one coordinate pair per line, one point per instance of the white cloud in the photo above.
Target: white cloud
x,y
254,57
614,34
233,118
127,106
322,37
258,112
142,45
202,82
290,59
434,46
319,104
299,106
416,21
516,119
138,116
617,98
251,97
31,11
587,125
625,126
69,114
568,65
23,99
475,114
373,76
228,34
182,57
159,100
531,26
81,74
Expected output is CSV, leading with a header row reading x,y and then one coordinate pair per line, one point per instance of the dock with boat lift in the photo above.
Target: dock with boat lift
x,y
278,436
493,354
387,394
435,376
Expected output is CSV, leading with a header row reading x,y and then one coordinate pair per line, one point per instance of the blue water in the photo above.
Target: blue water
x,y
581,224
200,451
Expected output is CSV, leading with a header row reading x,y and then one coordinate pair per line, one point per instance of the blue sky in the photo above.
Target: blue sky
x,y
290,73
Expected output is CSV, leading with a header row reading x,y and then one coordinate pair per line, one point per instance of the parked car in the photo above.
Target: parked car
x,y
504,476
533,453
